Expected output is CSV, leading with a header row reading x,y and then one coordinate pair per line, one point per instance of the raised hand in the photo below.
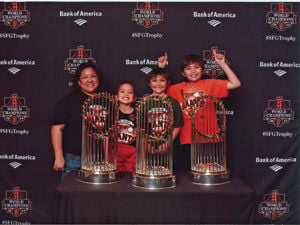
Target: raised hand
x,y
162,61
218,57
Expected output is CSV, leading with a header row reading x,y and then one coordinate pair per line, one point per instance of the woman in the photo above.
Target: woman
x,y
66,123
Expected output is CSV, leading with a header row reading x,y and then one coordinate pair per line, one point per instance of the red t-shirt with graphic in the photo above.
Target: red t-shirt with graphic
x,y
189,91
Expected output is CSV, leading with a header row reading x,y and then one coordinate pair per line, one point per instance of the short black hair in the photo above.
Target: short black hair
x,y
190,59
83,66
126,82
159,71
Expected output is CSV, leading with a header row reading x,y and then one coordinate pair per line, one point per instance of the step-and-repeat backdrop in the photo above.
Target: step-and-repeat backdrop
x,y
42,44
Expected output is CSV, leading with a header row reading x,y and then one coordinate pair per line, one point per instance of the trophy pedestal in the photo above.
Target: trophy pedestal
x,y
150,182
97,178
208,178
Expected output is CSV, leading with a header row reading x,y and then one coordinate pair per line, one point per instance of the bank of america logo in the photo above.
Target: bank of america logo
x,y
146,70
214,23
15,164
279,72
14,70
80,22
275,168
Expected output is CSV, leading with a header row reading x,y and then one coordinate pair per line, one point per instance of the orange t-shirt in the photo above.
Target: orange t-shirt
x,y
186,90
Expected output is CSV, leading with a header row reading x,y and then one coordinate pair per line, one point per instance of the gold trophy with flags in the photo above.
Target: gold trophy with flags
x,y
99,139
208,147
154,156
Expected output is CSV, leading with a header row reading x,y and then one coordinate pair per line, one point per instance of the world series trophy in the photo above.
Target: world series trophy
x,y
208,147
154,156
99,139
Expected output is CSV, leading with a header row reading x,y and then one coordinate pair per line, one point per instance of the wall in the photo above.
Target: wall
x,y
40,42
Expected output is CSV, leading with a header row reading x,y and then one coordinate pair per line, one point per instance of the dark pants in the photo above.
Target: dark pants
x,y
182,156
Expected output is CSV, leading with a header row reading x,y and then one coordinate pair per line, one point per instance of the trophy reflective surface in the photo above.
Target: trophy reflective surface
x,y
154,154
99,139
208,147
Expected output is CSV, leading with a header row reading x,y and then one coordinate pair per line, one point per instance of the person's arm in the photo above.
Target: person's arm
x,y
56,140
233,80
162,61
175,132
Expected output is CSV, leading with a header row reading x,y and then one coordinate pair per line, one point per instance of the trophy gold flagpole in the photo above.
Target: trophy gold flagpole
x,y
154,157
208,147
99,139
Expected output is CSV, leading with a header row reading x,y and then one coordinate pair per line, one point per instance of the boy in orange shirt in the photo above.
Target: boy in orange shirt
x,y
192,67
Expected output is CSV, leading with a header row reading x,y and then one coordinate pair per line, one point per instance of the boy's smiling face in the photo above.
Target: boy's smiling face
x,y
192,72
159,84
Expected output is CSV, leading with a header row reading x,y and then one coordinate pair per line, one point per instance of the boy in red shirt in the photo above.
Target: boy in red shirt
x,y
192,67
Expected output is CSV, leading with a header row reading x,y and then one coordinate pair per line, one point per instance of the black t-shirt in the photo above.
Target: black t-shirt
x,y
68,111
177,113
155,116
127,128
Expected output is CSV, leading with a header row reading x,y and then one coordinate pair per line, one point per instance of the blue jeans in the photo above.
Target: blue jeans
x,y
72,162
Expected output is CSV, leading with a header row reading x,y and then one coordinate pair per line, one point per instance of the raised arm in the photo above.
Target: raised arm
x,y
233,80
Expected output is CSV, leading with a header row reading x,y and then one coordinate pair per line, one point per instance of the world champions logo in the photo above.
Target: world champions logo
x,y
211,67
278,112
77,57
147,14
159,121
14,14
281,16
16,202
273,205
14,109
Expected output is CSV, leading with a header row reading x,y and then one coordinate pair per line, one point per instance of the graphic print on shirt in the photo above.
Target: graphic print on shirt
x,y
189,100
127,131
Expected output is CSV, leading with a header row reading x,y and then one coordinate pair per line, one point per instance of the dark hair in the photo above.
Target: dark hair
x,y
83,66
190,59
159,71
126,82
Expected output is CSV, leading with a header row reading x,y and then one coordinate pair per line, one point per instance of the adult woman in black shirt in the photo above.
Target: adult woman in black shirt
x,y
66,123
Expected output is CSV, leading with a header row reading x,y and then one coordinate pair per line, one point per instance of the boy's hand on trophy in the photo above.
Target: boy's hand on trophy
x,y
158,149
151,149
162,61
162,149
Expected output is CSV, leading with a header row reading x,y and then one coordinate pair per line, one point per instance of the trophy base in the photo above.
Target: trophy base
x,y
210,178
92,178
154,182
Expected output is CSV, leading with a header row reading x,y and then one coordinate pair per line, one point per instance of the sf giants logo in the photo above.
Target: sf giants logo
x,y
274,205
14,109
15,14
278,112
281,16
211,67
78,56
16,202
147,14
192,104
127,132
